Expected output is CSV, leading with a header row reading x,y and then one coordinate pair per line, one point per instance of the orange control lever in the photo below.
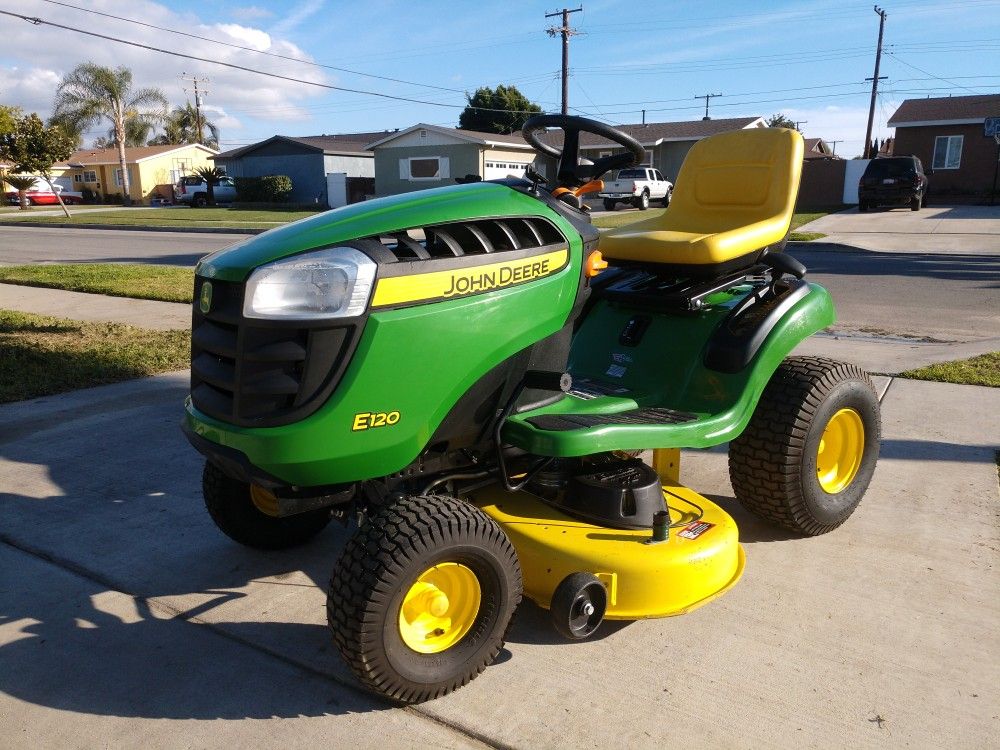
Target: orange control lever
x,y
594,186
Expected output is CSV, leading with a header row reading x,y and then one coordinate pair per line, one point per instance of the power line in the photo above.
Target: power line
x,y
249,49
40,21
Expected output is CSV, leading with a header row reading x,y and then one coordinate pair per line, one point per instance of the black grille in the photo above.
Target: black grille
x,y
259,373
477,237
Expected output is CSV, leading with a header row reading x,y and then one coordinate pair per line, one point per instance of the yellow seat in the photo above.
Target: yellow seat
x,y
735,196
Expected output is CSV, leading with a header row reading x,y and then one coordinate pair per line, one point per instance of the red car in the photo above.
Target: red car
x,y
42,195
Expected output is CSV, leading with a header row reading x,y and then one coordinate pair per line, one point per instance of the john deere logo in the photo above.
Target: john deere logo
x,y
205,301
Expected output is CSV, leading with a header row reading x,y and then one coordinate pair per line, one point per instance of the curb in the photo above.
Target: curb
x,y
123,228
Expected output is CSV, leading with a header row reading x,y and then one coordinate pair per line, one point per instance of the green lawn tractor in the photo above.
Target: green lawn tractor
x,y
475,374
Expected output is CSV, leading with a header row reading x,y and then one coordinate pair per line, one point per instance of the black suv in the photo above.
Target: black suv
x,y
893,181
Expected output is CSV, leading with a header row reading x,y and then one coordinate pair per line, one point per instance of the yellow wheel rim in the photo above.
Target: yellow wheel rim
x,y
440,608
840,450
264,500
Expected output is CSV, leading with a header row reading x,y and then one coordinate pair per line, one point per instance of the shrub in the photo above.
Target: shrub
x,y
272,188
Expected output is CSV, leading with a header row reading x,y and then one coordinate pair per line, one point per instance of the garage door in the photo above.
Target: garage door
x,y
497,170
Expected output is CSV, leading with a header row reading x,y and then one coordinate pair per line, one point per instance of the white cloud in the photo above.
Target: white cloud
x,y
39,56
297,15
255,38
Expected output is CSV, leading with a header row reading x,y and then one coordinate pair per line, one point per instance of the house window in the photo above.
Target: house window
x,y
89,176
948,151
78,178
424,168
648,161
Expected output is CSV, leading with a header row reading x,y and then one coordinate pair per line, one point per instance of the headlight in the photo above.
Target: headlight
x,y
331,283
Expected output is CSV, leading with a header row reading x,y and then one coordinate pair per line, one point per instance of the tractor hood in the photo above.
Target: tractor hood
x,y
375,217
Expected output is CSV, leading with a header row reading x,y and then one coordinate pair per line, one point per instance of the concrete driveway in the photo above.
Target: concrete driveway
x,y
948,229
126,618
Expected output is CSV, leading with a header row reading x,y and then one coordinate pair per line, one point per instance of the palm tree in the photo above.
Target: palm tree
x,y
21,183
91,93
212,176
137,132
181,126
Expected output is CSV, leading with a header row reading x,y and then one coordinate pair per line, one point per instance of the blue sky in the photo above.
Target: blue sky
x,y
805,59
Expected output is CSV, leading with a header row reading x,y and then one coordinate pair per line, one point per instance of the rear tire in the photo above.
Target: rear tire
x,y
808,454
402,606
642,202
915,203
199,200
863,207
609,205
235,510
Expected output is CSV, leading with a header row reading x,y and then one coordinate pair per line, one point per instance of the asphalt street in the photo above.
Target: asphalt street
x,y
57,245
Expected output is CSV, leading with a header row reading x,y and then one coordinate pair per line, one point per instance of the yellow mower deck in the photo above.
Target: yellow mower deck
x,y
697,563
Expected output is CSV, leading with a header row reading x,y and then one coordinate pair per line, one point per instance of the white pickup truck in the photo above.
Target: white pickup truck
x,y
638,186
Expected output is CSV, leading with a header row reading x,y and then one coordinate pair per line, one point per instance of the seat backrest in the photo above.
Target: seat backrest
x,y
737,178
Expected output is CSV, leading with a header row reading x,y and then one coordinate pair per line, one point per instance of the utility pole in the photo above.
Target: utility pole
x,y
800,122
834,144
875,79
199,122
706,97
566,33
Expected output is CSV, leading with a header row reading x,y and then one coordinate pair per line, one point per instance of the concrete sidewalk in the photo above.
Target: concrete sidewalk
x,y
124,614
163,316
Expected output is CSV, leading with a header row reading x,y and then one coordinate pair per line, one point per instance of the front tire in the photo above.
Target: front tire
x,y
421,600
642,202
248,514
809,452
668,197
915,203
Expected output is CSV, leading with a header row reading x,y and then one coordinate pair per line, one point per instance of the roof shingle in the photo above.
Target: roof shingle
x,y
947,108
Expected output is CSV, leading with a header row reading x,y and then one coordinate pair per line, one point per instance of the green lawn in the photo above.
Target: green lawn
x,y
620,218
144,281
981,370
40,355
235,218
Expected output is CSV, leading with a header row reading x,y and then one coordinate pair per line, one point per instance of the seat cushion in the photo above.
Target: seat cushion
x,y
731,248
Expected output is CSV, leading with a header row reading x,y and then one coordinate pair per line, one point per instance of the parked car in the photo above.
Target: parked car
x,y
893,181
638,186
40,194
193,191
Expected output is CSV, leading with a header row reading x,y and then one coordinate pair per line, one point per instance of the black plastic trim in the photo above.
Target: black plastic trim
x,y
739,337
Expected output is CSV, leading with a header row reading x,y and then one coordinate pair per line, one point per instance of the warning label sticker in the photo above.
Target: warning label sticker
x,y
695,530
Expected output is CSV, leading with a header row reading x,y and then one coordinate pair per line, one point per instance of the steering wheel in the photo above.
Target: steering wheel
x,y
570,171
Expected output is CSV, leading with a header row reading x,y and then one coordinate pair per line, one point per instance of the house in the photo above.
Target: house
x,y
325,169
947,135
817,149
152,170
425,156
666,143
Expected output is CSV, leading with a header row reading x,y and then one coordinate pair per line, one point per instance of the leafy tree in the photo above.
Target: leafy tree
x,y
778,120
90,94
502,110
181,126
212,176
22,183
32,147
8,118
